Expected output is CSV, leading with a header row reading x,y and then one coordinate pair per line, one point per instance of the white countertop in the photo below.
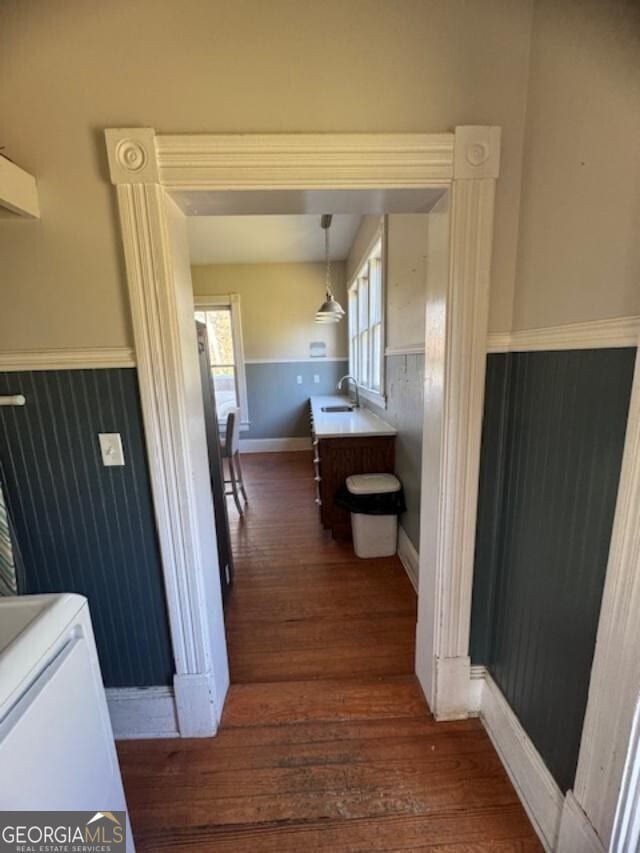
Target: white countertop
x,y
359,422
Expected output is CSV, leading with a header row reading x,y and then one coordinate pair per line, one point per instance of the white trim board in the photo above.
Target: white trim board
x,y
416,349
291,161
560,823
274,445
142,712
457,311
408,557
577,835
66,359
626,826
477,675
596,334
534,784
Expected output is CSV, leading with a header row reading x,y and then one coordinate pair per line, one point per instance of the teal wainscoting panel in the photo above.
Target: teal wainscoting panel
x,y
278,404
552,447
82,527
490,493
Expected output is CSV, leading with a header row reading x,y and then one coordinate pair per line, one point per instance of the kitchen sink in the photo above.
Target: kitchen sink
x,y
337,408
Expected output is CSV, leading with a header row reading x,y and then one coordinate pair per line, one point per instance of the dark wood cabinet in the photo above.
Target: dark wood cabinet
x,y
337,458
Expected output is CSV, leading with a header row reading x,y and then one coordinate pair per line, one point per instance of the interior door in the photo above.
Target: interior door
x,y
216,470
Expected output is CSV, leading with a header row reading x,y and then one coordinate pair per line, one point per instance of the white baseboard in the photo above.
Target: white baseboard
x,y
577,835
142,712
561,824
476,687
534,784
273,445
452,678
195,703
408,557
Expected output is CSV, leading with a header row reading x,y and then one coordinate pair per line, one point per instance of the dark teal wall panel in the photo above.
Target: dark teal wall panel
x,y
83,527
490,493
558,421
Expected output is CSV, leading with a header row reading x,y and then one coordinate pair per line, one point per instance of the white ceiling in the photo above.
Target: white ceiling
x,y
254,202
267,239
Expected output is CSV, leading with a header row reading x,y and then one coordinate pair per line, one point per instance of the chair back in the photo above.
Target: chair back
x,y
232,433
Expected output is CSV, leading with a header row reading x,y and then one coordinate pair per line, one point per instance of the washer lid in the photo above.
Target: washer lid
x,y
372,484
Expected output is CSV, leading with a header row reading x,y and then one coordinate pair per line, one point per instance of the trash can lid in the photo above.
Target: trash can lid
x,y
372,484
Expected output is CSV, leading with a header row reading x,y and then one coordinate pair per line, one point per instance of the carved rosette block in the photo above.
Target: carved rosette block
x,y
476,152
132,155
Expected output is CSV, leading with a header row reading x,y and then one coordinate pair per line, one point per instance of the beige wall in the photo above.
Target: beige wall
x,y
406,279
579,249
278,303
72,67
405,273
362,242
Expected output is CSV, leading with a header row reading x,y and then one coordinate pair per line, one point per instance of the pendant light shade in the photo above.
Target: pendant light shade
x,y
330,311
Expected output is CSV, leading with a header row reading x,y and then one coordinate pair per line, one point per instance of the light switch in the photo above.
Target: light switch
x,y
111,448
299,380
316,378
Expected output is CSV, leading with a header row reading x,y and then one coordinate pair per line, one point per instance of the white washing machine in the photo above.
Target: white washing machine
x,y
57,751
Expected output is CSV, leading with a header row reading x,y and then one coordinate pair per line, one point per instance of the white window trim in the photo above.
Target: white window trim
x,y
232,301
378,398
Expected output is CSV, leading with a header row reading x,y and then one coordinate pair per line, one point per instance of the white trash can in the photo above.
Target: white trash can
x,y
375,535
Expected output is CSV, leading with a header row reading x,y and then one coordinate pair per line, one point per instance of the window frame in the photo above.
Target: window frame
x,y
376,396
232,302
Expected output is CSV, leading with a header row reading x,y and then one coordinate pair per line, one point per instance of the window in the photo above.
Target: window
x,y
222,318
366,317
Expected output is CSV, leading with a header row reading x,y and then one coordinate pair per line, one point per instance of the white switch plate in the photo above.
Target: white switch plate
x,y
316,378
299,380
111,448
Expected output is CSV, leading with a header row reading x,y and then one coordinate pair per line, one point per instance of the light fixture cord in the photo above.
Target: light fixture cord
x,y
328,264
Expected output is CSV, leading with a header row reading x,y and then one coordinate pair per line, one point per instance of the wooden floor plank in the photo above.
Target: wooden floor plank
x,y
326,742
502,828
327,699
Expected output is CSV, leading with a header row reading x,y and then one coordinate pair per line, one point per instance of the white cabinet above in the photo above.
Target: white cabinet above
x,y
18,192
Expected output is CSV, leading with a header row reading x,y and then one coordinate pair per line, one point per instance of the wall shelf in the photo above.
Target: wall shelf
x,y
18,192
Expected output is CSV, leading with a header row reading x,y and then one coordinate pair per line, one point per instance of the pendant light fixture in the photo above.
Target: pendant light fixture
x,y
330,311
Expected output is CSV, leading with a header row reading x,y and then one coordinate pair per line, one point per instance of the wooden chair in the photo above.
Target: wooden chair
x,y
231,452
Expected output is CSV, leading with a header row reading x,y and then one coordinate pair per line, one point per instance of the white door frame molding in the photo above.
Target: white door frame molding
x,y
145,167
626,826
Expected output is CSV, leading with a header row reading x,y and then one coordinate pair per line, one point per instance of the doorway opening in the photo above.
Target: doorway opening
x,y
162,179
299,604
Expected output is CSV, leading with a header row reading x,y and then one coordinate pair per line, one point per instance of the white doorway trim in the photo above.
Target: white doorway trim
x,y
146,168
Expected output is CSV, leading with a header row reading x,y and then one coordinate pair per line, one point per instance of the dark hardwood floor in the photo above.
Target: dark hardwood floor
x,y
326,741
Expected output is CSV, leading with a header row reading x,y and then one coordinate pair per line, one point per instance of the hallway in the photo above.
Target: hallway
x,y
326,742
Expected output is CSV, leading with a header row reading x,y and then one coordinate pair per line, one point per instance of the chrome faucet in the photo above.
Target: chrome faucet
x,y
350,378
